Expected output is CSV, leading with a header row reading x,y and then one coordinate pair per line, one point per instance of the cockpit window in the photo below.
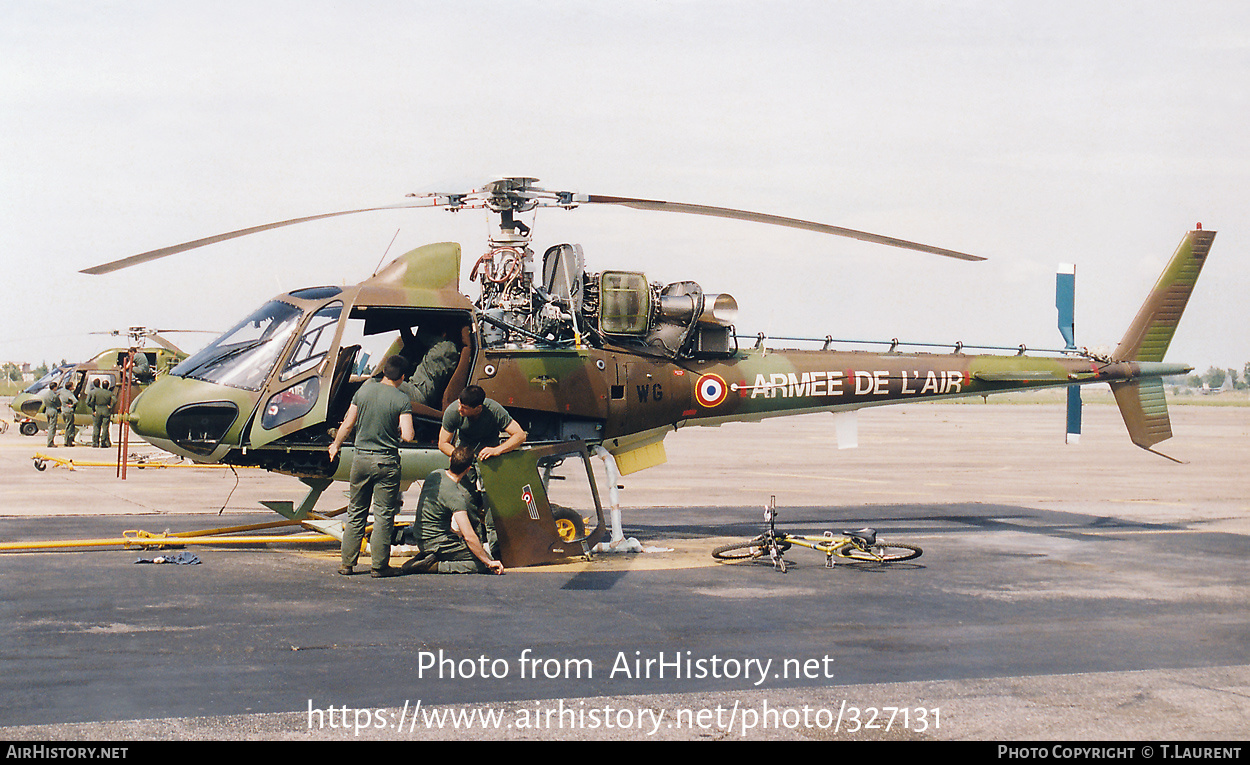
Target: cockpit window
x,y
243,357
315,343
43,382
316,293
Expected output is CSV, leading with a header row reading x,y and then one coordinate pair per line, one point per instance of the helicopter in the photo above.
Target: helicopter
x,y
105,367
606,361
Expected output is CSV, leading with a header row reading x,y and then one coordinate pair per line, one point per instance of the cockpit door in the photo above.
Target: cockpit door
x,y
298,394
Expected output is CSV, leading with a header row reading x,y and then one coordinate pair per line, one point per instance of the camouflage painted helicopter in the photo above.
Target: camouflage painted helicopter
x,y
606,359
105,366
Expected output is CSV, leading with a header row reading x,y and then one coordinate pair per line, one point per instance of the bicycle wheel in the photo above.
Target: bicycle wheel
x,y
882,553
741,550
750,549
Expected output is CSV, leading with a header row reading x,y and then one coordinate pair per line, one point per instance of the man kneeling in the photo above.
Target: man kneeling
x,y
455,538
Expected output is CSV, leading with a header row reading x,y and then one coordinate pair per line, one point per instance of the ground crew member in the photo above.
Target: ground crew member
x,y
435,369
100,399
51,399
142,368
68,402
454,536
381,415
475,422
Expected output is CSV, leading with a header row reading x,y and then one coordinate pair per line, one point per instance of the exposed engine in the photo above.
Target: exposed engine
x,y
565,305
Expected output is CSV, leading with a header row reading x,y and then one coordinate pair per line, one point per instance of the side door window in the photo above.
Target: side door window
x,y
296,398
311,348
92,377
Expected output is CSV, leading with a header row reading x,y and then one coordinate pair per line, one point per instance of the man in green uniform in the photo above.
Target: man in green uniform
x,y
475,422
100,399
142,369
51,399
381,415
453,533
68,402
435,368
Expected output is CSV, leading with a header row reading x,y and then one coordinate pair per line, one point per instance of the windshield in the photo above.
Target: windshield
x,y
42,382
243,357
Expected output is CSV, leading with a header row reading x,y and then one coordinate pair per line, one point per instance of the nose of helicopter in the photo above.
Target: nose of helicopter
x,y
25,404
190,417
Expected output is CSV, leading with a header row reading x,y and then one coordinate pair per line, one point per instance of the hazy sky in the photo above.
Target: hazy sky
x,y
1030,133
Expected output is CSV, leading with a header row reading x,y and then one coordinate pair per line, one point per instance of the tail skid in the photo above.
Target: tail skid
x,y
1141,401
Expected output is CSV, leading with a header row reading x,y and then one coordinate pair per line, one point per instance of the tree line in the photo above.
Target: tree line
x,y
1214,378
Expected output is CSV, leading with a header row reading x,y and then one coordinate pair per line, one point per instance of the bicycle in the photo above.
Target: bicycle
x,y
861,546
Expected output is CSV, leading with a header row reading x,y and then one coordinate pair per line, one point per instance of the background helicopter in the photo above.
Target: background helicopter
x,y
105,366
607,358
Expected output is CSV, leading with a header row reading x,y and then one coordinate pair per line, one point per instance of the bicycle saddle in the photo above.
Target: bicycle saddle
x,y
865,535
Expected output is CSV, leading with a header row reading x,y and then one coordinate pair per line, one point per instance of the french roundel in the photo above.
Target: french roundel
x,y
711,390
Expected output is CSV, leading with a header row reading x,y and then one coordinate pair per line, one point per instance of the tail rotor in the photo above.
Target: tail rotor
x,y
1065,302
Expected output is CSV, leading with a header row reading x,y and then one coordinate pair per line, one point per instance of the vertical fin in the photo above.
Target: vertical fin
x,y
1141,401
1145,412
1151,332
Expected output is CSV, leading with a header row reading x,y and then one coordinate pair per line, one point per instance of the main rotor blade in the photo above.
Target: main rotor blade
x,y
164,343
144,257
776,220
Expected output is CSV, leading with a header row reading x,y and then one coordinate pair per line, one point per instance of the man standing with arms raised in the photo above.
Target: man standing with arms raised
x,y
381,414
